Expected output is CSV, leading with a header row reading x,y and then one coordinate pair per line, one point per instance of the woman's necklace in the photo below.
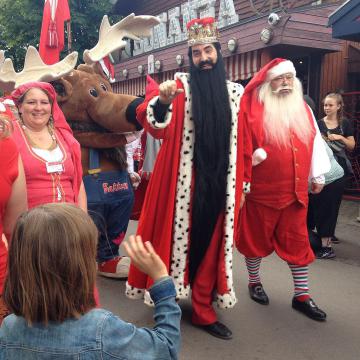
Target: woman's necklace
x,y
33,143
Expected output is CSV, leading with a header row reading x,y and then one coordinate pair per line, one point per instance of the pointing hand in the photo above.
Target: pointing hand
x,y
168,91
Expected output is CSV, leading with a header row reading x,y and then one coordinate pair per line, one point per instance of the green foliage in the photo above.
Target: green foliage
x,y
20,25
86,16
20,22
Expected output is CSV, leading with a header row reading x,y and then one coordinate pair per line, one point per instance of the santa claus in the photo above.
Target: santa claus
x,y
193,199
289,153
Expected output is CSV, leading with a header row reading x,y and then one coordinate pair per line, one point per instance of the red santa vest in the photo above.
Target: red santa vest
x,y
282,178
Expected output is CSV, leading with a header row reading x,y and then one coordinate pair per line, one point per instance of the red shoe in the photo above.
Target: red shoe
x,y
115,268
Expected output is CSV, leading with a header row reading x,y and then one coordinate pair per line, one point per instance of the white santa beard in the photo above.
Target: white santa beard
x,y
283,113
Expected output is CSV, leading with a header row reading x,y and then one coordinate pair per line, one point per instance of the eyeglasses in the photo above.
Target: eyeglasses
x,y
287,77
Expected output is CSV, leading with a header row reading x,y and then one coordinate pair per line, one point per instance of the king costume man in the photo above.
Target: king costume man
x,y
197,187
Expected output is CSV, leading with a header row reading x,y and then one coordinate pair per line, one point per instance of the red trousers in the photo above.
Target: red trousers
x,y
205,281
264,229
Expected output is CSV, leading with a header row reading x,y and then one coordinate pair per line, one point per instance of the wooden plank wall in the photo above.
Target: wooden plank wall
x,y
310,29
245,11
334,74
242,7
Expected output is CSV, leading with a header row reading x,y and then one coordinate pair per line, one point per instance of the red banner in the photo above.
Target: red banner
x,y
52,36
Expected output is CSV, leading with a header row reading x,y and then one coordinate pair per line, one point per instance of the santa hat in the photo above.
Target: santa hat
x,y
249,101
270,71
283,67
202,31
251,106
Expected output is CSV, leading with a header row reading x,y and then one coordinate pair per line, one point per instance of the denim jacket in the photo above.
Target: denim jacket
x,y
98,334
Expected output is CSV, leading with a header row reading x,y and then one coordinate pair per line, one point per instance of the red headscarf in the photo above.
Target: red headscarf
x,y
60,125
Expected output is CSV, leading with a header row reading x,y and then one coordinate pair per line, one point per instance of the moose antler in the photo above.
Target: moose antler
x,y
34,69
111,37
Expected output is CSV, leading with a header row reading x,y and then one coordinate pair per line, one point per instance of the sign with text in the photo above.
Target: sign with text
x,y
172,27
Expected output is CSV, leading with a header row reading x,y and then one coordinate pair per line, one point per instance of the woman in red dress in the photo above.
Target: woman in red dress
x,y
50,153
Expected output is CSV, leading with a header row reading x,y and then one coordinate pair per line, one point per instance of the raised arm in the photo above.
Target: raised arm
x,y
121,339
157,112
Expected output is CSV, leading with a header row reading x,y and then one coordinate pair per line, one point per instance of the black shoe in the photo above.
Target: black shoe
x,y
325,253
258,294
218,330
309,308
335,240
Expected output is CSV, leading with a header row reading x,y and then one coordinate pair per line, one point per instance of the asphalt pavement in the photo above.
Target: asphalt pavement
x,y
276,331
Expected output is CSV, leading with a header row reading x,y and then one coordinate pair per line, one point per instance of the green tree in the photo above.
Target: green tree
x,y
20,22
20,25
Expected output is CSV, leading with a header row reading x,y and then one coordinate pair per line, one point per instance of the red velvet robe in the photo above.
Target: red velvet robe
x,y
165,217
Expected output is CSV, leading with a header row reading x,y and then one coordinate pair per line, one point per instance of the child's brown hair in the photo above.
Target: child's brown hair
x,y
51,265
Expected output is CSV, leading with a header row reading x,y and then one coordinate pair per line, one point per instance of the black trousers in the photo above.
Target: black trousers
x,y
324,208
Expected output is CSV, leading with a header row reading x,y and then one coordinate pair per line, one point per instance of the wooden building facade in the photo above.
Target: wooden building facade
x,y
345,24
301,34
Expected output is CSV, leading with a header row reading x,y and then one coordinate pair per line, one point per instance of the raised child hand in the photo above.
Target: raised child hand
x,y
144,257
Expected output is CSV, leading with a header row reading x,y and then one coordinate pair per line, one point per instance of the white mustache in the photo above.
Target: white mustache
x,y
281,88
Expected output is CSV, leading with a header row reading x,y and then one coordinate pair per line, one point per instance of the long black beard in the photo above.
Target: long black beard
x,y
212,119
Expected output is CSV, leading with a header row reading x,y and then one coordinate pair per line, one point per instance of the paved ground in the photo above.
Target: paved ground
x,y
275,332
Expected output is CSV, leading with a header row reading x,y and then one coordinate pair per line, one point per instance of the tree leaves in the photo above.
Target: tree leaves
x,y
20,25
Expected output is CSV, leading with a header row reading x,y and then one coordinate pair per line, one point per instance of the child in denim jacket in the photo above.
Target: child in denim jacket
x,y
50,290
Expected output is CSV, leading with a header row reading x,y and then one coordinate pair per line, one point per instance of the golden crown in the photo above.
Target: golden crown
x,y
202,31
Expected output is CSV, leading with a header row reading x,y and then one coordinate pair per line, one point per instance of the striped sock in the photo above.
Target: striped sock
x,y
253,267
301,285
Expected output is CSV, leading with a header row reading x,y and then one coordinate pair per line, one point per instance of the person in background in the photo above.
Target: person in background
x,y
338,132
50,153
12,194
50,291
324,207
110,195
133,143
